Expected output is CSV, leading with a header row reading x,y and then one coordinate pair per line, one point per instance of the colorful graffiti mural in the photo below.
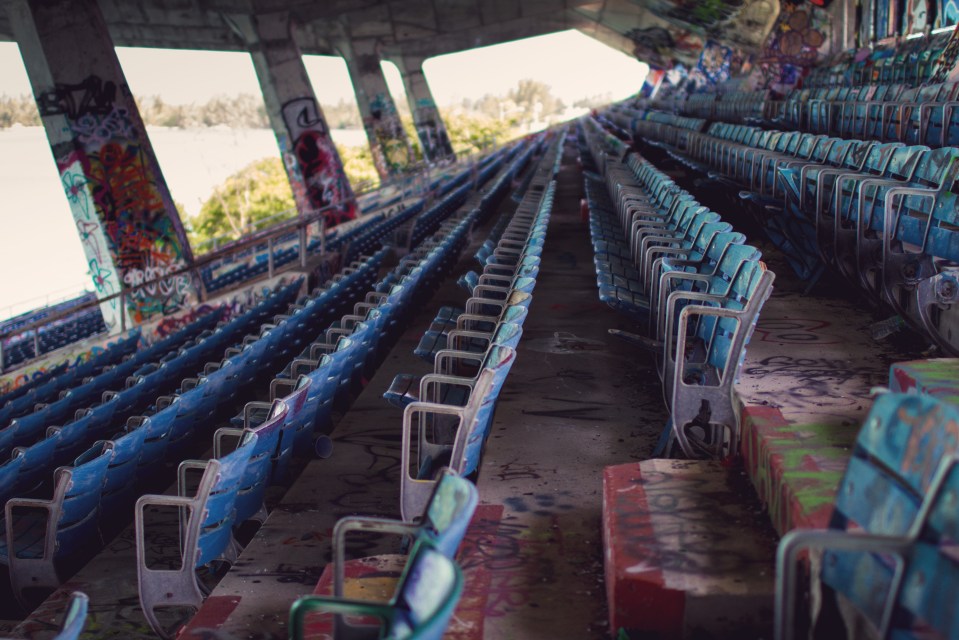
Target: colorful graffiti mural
x,y
313,162
431,130
390,146
41,368
651,83
947,13
661,47
713,66
800,33
946,63
129,232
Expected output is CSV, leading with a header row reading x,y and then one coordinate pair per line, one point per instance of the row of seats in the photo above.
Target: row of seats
x,y
33,344
732,106
453,415
116,389
48,388
35,379
35,315
881,214
251,455
889,550
911,61
677,268
358,240
875,96
884,112
54,513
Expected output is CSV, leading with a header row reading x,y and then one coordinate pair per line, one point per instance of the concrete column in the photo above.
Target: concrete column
x,y
128,224
429,124
389,143
312,161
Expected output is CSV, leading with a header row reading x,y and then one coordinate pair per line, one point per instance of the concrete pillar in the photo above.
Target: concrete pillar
x,y
389,143
128,224
429,124
312,161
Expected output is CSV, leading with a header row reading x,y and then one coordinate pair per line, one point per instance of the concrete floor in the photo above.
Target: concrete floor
x,y
576,401
536,558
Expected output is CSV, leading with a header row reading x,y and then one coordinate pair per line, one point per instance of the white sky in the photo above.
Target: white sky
x,y
572,63
39,242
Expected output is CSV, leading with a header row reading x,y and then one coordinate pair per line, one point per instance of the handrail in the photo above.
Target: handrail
x,y
193,269
413,172
198,263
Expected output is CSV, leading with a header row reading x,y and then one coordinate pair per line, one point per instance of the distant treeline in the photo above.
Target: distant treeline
x,y
241,111
528,100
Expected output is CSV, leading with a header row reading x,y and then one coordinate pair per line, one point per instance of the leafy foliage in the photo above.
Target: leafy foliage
x,y
258,192
243,111
18,110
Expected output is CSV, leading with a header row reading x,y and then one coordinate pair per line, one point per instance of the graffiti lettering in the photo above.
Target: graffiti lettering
x,y
391,151
315,161
93,96
117,202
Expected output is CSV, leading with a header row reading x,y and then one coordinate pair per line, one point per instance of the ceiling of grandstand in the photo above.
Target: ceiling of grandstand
x,y
659,32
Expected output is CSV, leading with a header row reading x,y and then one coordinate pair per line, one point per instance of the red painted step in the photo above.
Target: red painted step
x,y
937,377
687,551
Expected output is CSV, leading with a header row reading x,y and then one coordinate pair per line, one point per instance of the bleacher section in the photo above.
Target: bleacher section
x,y
853,173
314,377
877,213
689,281
37,342
708,413
450,421
385,216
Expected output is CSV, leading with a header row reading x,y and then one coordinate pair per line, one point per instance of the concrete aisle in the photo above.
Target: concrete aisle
x,y
576,401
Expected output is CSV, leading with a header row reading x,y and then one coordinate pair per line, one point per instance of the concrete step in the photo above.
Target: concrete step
x,y
806,385
937,377
687,550
795,468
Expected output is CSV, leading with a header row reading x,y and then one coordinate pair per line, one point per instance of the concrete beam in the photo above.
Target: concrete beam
x,y
128,225
390,146
312,162
525,27
430,127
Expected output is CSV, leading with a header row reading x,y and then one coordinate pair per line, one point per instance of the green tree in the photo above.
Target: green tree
x,y
532,96
472,133
253,194
359,168
18,110
261,191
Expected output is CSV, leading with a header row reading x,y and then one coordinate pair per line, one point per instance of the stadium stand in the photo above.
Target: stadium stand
x,y
778,264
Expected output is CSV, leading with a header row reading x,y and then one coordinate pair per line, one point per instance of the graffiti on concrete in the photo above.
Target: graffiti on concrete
x,y
92,97
391,150
431,130
793,46
313,162
661,47
116,199
714,64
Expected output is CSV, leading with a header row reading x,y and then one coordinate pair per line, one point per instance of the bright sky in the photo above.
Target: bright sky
x,y
575,65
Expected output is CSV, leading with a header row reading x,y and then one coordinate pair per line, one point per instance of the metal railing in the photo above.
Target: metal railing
x,y
298,225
